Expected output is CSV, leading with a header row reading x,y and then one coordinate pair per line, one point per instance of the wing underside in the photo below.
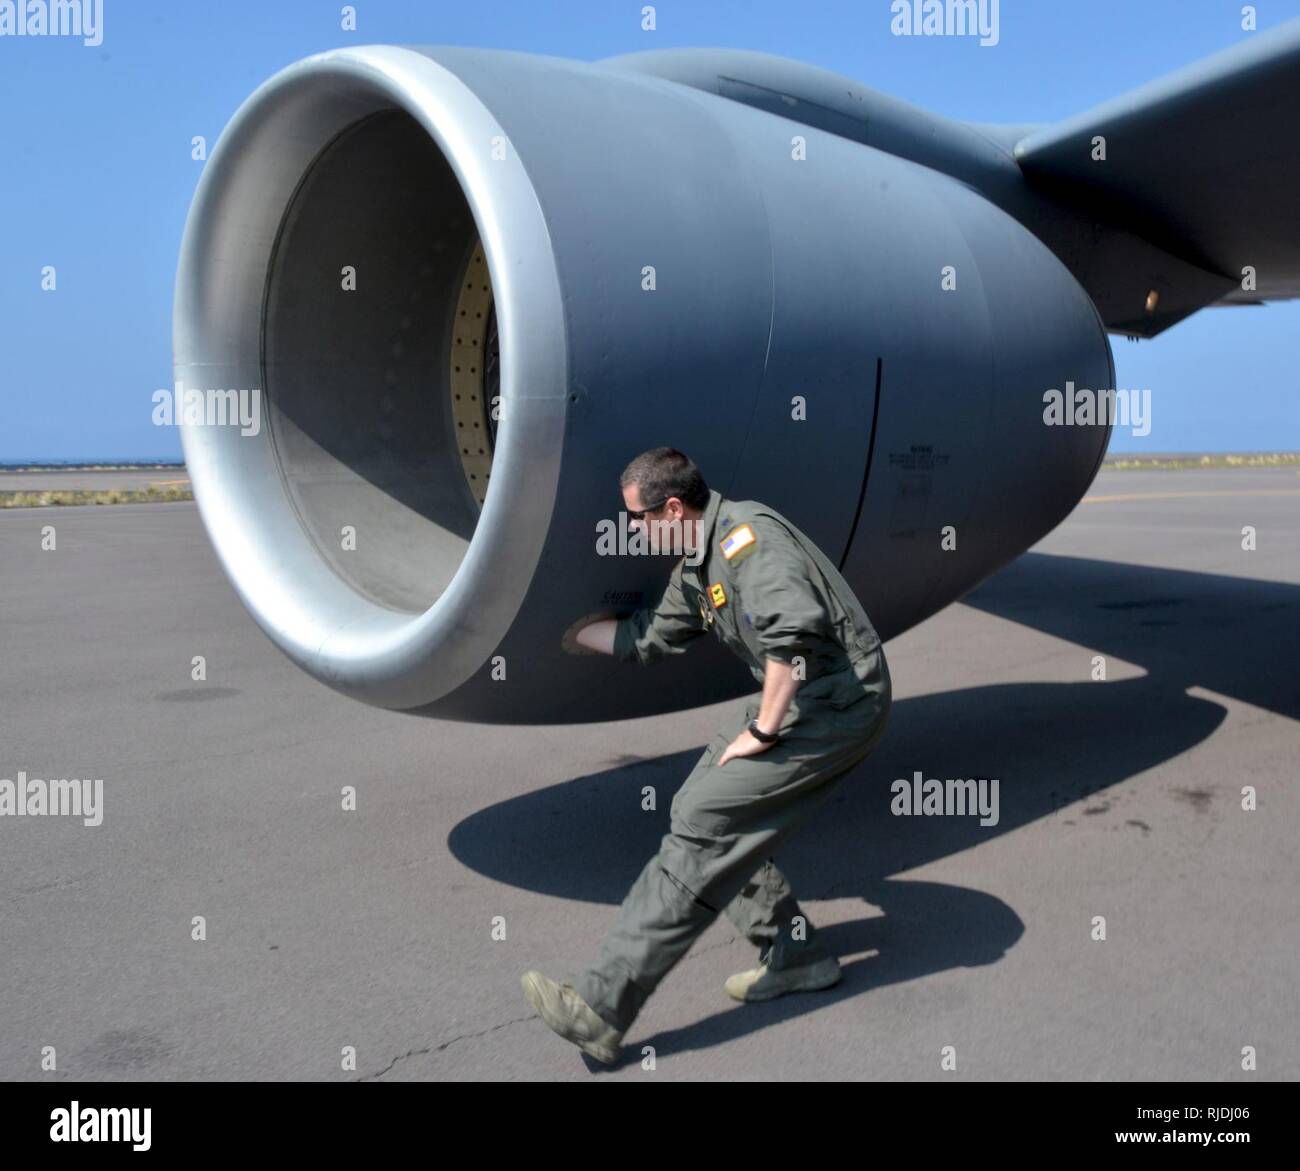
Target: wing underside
x,y
1204,163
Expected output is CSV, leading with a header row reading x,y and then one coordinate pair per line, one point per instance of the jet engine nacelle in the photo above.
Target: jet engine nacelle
x,y
471,285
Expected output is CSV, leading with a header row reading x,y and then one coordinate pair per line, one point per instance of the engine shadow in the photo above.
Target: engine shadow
x,y
1051,745
1234,635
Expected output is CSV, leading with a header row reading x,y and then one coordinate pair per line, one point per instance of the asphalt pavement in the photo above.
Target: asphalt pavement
x,y
1120,805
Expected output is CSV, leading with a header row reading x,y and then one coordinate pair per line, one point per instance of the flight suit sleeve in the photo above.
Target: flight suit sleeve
x,y
786,609
665,629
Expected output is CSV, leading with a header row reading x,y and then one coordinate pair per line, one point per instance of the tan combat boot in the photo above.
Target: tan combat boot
x,y
764,983
560,1006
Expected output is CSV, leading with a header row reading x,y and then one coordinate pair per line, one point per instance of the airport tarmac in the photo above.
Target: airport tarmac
x,y
1121,802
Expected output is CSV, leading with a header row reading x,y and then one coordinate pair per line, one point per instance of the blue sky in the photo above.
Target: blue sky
x,y
95,154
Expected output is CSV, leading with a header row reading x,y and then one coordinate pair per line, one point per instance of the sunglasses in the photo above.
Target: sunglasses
x,y
653,508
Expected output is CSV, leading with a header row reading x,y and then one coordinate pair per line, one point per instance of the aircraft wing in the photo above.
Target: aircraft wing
x,y
1204,163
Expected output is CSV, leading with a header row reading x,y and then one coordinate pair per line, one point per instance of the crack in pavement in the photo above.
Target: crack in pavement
x,y
429,1050
439,1048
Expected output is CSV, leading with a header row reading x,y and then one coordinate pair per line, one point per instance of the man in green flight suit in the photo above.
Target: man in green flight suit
x,y
772,597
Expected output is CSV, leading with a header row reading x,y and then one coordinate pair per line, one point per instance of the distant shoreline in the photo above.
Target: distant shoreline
x,y
36,484
1123,461
104,466
1253,458
1115,461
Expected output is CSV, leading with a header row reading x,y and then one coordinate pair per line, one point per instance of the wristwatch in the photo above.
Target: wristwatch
x,y
765,737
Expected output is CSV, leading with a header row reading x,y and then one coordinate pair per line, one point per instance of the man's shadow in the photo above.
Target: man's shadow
x,y
1050,745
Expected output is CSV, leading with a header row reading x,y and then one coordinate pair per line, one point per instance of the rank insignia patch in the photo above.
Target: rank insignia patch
x,y
736,540
718,595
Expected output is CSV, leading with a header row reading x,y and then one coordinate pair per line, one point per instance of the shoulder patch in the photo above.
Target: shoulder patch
x,y
740,538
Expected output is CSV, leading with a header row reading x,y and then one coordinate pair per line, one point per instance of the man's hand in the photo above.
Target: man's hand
x,y
779,686
592,634
744,745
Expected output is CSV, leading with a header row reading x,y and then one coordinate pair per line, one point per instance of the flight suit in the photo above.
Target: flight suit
x,y
765,590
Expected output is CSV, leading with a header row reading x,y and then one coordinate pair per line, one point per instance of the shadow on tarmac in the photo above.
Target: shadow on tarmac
x,y
1051,745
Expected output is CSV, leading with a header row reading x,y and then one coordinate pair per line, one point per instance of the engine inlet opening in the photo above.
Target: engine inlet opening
x,y
380,361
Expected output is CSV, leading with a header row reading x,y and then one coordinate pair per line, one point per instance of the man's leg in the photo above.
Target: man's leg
x,y
725,821
767,914
657,923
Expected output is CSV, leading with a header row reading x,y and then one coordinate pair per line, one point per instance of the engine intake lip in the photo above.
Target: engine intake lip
x,y
386,655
